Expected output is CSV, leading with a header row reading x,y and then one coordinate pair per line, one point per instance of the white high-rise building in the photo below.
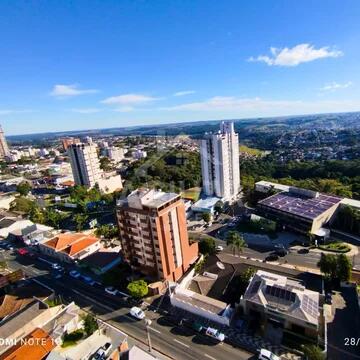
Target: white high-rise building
x,y
4,149
85,164
220,163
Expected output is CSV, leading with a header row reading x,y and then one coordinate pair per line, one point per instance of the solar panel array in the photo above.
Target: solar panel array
x,y
280,293
306,207
310,306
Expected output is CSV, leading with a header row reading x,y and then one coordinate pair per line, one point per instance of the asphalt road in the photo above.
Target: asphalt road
x,y
309,260
175,342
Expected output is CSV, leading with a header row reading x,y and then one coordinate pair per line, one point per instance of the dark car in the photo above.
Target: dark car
x,y
281,252
272,257
303,251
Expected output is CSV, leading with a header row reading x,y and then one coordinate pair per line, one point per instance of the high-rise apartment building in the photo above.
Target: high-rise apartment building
x,y
85,164
153,234
4,149
66,142
220,163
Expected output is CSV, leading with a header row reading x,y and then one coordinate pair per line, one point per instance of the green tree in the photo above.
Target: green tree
x,y
80,221
236,241
343,267
22,204
219,207
206,217
36,215
207,246
107,231
23,188
327,265
138,289
53,218
313,352
105,164
90,324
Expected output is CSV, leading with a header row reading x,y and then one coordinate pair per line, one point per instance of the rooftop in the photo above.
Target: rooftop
x,y
308,205
278,293
37,346
205,204
71,243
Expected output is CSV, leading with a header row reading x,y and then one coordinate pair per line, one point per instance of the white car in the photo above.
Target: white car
x,y
267,355
219,248
55,266
111,290
215,333
137,313
75,274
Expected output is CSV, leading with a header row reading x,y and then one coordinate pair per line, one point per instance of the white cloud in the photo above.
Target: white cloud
x,y
86,110
128,99
301,53
70,90
336,86
184,92
236,107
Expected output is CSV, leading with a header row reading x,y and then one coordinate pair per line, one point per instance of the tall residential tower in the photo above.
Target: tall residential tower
x,y
153,234
4,149
85,164
220,163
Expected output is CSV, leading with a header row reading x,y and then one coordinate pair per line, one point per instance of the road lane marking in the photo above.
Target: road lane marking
x,y
157,331
210,357
181,343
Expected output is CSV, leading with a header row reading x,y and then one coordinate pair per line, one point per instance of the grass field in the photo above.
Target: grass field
x,y
250,151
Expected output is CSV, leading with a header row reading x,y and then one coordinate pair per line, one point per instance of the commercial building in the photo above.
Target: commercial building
x,y
4,149
154,235
302,210
220,163
85,164
275,300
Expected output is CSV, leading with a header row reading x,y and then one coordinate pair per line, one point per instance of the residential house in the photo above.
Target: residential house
x,y
70,247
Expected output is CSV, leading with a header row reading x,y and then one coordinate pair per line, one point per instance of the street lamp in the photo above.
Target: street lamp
x,y
147,324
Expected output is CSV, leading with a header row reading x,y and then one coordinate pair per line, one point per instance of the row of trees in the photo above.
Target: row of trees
x,y
348,220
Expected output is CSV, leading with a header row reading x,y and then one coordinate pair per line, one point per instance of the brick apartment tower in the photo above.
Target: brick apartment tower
x,y
153,234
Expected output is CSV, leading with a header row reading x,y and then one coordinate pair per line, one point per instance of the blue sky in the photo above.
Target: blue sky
x,y
68,65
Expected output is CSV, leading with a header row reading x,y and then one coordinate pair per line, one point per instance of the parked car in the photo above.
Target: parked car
x,y
215,334
303,251
57,275
55,266
137,313
281,252
102,352
111,290
197,326
75,274
267,355
219,248
272,257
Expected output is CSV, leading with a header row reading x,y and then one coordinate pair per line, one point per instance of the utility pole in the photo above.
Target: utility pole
x,y
148,323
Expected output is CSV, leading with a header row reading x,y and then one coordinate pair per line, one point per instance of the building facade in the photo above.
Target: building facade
x,y
4,149
153,234
66,142
220,163
85,164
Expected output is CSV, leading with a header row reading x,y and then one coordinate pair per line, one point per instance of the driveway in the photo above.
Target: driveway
x,y
345,325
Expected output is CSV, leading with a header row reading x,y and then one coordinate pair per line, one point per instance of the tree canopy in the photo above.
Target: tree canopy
x,y
236,241
138,289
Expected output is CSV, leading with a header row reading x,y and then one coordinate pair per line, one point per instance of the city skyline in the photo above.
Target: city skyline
x,y
150,63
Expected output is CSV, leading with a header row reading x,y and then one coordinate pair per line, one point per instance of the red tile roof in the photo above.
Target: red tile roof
x,y
71,243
